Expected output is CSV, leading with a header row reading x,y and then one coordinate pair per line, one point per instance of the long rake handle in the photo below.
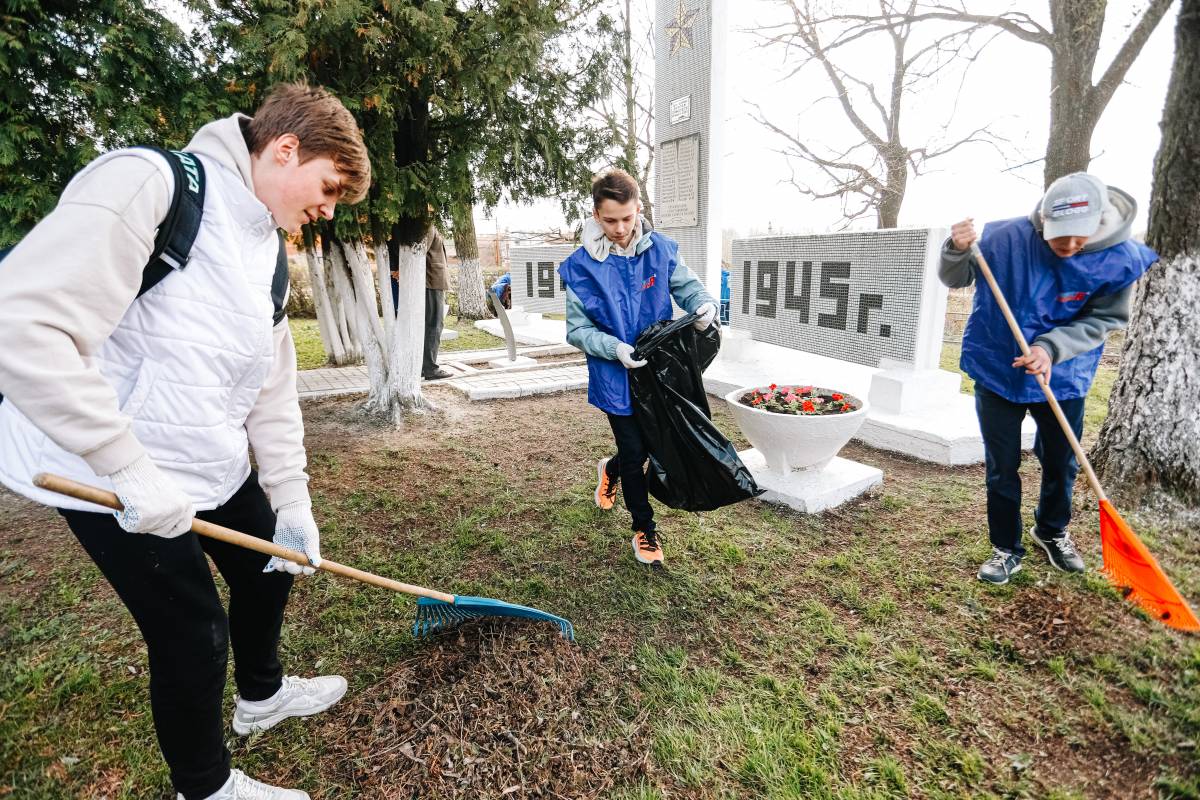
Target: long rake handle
x,y
1041,379
91,494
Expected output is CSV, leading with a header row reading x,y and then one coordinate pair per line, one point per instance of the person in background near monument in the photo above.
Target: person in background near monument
x,y
436,284
502,288
619,283
159,397
1067,271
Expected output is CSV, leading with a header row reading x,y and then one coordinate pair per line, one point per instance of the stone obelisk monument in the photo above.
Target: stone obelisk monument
x,y
689,81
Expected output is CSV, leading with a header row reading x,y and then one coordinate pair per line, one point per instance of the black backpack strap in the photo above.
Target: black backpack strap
x,y
280,285
177,233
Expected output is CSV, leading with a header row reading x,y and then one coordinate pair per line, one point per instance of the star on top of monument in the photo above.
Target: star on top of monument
x,y
680,28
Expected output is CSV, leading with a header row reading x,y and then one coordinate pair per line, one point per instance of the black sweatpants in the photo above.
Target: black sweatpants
x,y
168,588
629,464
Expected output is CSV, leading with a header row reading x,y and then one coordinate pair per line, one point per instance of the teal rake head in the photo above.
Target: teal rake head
x,y
435,615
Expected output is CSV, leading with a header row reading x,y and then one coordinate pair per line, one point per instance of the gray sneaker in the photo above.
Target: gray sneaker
x,y
1061,551
1000,567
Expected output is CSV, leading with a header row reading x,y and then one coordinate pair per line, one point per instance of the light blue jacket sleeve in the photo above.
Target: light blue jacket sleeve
x,y
582,333
687,290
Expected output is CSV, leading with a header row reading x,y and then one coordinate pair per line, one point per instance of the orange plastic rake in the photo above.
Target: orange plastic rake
x,y
1128,565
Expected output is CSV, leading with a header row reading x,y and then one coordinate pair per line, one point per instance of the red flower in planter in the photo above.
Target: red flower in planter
x,y
808,406
772,387
805,390
847,407
835,396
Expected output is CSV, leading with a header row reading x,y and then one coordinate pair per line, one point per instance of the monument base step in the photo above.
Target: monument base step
x,y
946,433
810,491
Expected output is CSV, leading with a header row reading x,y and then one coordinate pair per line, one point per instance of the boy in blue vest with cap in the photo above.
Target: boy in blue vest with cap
x,y
1067,270
620,282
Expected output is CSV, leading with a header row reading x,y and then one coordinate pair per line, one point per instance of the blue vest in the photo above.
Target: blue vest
x,y
1044,292
622,296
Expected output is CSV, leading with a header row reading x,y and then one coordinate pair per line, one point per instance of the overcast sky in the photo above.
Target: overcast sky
x,y
1007,86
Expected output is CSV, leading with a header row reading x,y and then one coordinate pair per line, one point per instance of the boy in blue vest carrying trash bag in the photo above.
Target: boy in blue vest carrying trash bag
x,y
1067,270
620,282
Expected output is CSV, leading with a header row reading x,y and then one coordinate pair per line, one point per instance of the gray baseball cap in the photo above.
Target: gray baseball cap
x,y
1072,206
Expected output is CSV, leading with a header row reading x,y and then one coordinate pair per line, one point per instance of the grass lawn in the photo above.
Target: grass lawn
x,y
849,655
311,355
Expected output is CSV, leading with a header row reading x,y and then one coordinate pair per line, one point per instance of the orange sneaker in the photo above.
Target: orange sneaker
x,y
647,548
606,487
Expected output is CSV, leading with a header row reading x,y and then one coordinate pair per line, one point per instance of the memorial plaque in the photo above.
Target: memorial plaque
x,y
855,297
679,182
689,80
536,285
681,109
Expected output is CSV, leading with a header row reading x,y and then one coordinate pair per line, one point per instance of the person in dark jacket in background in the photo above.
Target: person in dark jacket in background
x,y
620,282
1067,271
436,284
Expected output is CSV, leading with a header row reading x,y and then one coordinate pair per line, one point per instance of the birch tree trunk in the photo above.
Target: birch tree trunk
x,y
1151,437
472,295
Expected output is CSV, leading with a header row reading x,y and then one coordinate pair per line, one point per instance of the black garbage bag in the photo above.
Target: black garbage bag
x,y
692,465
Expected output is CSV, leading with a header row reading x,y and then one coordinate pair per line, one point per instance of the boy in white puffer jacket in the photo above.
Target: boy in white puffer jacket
x,y
159,398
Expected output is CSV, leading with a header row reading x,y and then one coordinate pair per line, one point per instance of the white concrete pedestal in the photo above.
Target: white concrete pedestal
x,y
922,413
519,361
812,490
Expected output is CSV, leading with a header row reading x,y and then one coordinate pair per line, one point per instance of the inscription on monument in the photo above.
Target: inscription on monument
x,y
856,297
679,182
681,109
536,285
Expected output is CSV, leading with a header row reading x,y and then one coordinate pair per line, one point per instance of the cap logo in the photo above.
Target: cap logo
x,y
1069,206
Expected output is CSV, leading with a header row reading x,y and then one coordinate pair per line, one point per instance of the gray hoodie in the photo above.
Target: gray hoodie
x,y
1099,315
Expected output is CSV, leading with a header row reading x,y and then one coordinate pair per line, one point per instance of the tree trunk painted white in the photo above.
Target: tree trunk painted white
x,y
334,352
336,283
343,287
472,295
383,278
408,336
391,346
363,311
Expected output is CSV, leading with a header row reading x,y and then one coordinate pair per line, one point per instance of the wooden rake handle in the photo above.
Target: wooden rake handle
x,y
1041,379
91,494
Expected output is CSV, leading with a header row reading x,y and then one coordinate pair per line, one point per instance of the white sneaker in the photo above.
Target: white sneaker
x,y
242,787
298,697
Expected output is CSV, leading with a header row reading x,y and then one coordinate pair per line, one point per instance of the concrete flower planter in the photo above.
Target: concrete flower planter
x,y
795,442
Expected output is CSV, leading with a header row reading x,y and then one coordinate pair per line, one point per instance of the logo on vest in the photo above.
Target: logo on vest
x,y
648,283
1071,297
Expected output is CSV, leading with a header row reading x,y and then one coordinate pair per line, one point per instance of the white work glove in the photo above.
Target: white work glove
x,y
625,356
706,314
296,529
153,503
